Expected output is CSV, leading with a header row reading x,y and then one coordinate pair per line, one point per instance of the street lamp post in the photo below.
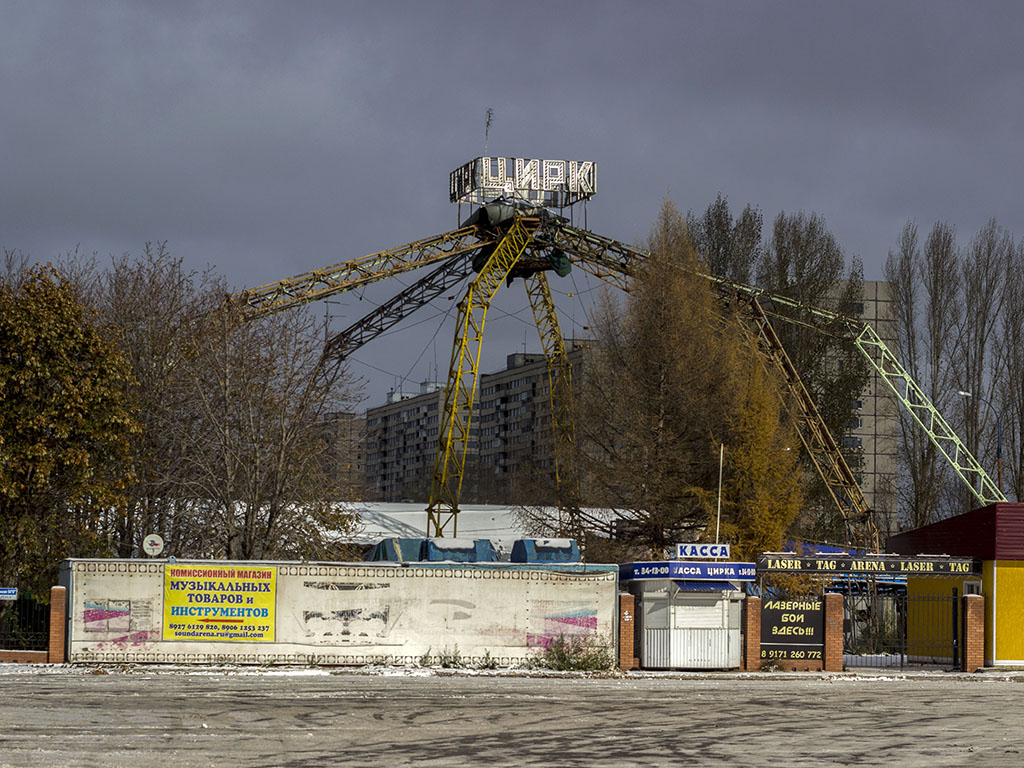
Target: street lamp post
x,y
999,433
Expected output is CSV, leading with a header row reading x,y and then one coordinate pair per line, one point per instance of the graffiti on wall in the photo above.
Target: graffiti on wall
x,y
554,620
128,621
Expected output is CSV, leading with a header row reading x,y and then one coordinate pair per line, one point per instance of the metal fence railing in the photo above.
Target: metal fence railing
x,y
24,625
896,630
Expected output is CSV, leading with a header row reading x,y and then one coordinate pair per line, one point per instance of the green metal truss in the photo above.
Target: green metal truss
x,y
615,262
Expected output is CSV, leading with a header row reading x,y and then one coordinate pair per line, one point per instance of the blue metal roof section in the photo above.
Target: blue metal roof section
x,y
809,548
398,550
706,586
459,550
545,551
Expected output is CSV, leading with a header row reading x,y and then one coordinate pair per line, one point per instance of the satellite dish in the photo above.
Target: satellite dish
x,y
153,545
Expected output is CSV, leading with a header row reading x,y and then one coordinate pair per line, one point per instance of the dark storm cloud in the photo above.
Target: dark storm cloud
x,y
271,138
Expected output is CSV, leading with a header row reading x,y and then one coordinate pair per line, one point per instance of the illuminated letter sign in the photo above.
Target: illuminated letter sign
x,y
551,183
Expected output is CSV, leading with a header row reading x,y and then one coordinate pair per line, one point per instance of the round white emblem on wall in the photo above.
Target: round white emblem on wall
x,y
153,545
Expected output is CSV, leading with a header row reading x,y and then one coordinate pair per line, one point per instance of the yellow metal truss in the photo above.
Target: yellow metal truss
x,y
328,281
453,432
563,429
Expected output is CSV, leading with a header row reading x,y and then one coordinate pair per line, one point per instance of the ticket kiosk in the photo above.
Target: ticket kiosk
x,y
688,612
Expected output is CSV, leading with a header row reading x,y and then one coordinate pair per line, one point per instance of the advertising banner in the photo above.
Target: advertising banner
x,y
792,630
219,603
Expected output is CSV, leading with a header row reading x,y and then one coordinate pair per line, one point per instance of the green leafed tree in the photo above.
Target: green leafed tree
x,y
803,261
728,247
66,425
670,381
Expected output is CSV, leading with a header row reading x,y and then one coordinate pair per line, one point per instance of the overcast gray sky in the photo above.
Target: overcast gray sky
x,y
265,139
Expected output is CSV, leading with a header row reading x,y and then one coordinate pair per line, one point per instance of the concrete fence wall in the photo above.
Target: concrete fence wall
x,y
329,613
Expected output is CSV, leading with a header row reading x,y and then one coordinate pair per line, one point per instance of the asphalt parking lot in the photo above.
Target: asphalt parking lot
x,y
144,716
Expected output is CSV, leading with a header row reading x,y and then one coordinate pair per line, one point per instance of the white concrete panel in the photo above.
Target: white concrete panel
x,y
332,613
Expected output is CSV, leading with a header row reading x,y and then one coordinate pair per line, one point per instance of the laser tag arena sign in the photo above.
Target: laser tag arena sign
x,y
211,603
918,566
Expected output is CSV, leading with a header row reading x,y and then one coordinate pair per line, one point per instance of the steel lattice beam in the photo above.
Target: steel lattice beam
x,y
323,283
927,416
453,434
419,294
563,429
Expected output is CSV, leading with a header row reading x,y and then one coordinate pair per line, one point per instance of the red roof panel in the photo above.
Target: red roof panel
x,y
995,532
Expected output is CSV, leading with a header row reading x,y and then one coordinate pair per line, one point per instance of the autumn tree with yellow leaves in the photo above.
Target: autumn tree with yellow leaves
x,y
671,380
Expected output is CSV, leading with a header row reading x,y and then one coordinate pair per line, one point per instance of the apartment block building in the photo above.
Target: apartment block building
x,y
875,429
401,443
509,446
516,451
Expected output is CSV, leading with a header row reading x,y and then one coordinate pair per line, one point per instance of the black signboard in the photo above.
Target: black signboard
x,y
906,566
792,629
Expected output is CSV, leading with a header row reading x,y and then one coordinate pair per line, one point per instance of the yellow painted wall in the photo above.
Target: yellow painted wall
x,y
988,590
930,623
1009,613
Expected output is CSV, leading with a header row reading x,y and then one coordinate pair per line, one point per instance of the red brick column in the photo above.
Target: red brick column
x,y
627,633
58,624
972,652
752,633
833,661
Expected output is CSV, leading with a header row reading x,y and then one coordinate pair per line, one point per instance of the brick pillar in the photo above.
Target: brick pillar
x,y
833,661
58,624
627,633
752,633
972,650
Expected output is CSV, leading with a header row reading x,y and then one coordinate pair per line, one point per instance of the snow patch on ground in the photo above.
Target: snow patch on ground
x,y
227,670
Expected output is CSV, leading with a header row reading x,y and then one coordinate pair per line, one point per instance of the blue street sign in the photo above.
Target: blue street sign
x,y
688,569
8,593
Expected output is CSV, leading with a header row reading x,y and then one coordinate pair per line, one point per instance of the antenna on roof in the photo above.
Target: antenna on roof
x,y
487,128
